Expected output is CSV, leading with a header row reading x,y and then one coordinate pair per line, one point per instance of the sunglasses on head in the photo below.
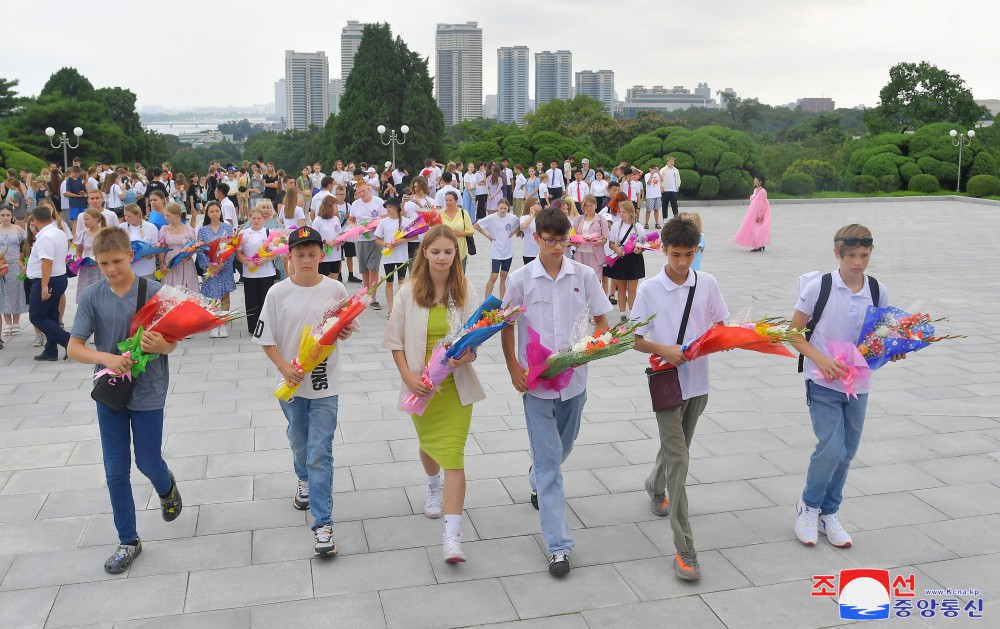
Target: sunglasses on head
x,y
854,242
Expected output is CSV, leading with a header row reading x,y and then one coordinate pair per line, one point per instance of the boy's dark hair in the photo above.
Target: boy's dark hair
x,y
42,213
111,239
679,232
223,188
553,221
326,182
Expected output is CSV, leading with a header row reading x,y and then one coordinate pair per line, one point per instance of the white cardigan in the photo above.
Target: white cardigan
x,y
407,331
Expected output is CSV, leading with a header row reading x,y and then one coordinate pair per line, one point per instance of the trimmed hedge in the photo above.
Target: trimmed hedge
x,y
798,184
690,181
983,186
909,169
923,183
880,166
984,164
865,184
823,173
889,183
709,188
13,157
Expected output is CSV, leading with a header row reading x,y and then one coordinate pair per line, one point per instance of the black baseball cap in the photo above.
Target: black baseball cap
x,y
304,235
391,201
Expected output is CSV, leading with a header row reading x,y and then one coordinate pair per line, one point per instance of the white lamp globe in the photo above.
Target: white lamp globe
x,y
953,133
972,133
405,129
381,129
49,131
77,131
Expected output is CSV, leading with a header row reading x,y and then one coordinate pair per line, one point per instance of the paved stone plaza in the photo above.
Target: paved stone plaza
x,y
923,497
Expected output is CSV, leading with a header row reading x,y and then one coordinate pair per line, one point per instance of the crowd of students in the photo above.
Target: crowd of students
x,y
558,285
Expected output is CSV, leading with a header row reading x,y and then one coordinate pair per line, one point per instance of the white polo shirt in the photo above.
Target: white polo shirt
x,y
553,308
519,186
577,190
660,296
439,195
51,243
631,190
229,212
841,320
317,200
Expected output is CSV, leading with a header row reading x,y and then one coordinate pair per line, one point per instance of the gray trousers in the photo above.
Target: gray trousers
x,y
671,467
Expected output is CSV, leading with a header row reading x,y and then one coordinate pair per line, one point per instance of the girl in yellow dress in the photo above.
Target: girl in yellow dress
x,y
437,299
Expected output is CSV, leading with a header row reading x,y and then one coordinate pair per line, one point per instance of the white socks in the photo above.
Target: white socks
x,y
453,524
435,481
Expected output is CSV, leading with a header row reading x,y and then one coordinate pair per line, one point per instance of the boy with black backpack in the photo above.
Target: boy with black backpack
x,y
832,308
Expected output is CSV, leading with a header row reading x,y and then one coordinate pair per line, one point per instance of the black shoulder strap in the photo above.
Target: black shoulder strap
x,y
873,289
687,310
140,299
825,286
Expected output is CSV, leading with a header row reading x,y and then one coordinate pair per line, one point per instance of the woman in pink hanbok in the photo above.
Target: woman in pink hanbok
x,y
755,232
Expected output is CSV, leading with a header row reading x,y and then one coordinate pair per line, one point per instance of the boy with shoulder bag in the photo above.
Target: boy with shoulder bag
x,y
686,304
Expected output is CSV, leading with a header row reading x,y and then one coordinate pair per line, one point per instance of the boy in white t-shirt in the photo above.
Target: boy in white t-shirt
x,y
291,305
654,196
395,262
500,228
666,295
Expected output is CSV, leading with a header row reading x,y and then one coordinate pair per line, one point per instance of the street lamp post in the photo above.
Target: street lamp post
x,y
961,141
64,142
393,139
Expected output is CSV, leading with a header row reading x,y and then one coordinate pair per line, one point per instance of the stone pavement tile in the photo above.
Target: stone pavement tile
x,y
209,442
411,531
357,611
371,503
29,608
681,612
449,605
639,452
351,454
741,442
238,618
270,438
218,421
968,572
205,552
604,432
654,579
4,477
121,599
248,516
955,424
5,562
20,507
210,491
358,432
966,537
798,436
63,567
41,535
890,451
248,585
591,457
592,587
963,501
726,496
483,466
490,558
774,524
34,457
149,524
889,510
283,484
778,562
86,453
372,572
478,493
795,460
63,504
185,468
608,544
409,449
247,463
731,467
576,484
387,475
296,542
884,479
628,478
566,621
55,479
749,420
787,489
711,531
620,508
780,606
502,440
958,443
892,548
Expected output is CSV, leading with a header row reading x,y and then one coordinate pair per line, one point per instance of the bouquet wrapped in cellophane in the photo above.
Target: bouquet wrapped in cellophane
x,y
221,249
889,331
489,318
583,239
320,339
635,244
276,244
185,252
419,225
364,230
554,370
75,264
143,249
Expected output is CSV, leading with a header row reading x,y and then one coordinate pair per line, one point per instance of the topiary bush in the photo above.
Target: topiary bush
x,y
984,164
734,183
681,160
729,161
823,173
865,184
927,184
641,148
709,188
13,157
944,172
880,166
983,186
861,156
519,155
690,182
547,154
479,151
889,183
909,169
798,184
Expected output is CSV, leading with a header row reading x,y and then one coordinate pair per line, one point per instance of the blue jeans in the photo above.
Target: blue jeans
x,y
44,314
837,422
552,428
311,424
120,430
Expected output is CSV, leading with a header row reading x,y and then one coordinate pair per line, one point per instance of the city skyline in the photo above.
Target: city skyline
x,y
830,54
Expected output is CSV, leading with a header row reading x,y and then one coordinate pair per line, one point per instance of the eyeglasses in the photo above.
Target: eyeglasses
x,y
562,242
854,242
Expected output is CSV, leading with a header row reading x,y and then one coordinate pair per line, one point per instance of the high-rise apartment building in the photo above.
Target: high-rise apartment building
x,y
512,84
458,76
350,39
307,89
279,98
598,85
336,91
553,76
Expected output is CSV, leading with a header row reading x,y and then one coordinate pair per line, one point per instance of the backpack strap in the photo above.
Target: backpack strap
x,y
140,299
825,286
874,290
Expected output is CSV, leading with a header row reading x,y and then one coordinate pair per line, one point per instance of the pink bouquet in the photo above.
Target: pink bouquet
x,y
636,244
419,225
364,230
858,371
583,239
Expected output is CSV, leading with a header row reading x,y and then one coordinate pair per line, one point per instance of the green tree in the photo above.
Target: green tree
x,y
565,116
387,86
8,97
919,94
743,111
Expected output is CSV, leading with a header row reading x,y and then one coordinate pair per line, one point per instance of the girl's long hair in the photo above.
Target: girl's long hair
x,y
423,288
291,200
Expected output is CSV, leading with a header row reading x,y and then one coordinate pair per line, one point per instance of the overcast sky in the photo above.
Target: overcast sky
x,y
182,53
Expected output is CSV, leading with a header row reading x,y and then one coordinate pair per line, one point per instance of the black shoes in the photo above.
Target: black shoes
x,y
353,279
171,506
559,565
47,358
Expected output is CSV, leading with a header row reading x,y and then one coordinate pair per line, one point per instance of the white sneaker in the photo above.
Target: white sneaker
x,y
806,523
453,548
223,332
830,526
434,505
39,340
214,334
